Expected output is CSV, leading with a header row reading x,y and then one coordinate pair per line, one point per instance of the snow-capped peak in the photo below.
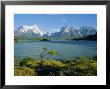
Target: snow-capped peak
x,y
35,31
65,29
30,28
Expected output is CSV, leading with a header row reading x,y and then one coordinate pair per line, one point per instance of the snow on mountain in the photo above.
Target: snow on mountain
x,y
82,31
64,29
35,31
86,30
32,30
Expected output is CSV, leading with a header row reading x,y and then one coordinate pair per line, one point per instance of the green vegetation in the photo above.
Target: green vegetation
x,y
82,66
52,64
20,39
45,40
24,71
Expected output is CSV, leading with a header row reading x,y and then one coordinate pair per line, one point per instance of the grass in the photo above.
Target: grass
x,y
83,66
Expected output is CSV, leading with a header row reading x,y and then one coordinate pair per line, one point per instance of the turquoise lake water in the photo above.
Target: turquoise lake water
x,y
68,49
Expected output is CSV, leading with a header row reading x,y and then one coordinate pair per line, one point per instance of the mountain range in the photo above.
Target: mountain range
x,y
35,31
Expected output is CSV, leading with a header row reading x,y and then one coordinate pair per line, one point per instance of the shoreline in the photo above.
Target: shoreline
x,y
52,41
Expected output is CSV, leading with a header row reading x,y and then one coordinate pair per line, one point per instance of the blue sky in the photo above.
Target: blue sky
x,y
54,22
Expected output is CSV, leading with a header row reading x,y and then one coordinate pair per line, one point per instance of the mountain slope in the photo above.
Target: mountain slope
x,y
29,31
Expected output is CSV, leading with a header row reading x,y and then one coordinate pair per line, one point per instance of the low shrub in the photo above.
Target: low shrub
x,y
83,66
24,71
52,64
29,62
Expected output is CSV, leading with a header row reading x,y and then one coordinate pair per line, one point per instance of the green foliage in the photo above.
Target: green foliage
x,y
36,39
16,39
25,67
16,61
83,66
24,71
53,52
29,62
52,64
23,38
45,52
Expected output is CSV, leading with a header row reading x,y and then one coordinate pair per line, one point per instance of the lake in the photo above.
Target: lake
x,y
68,49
